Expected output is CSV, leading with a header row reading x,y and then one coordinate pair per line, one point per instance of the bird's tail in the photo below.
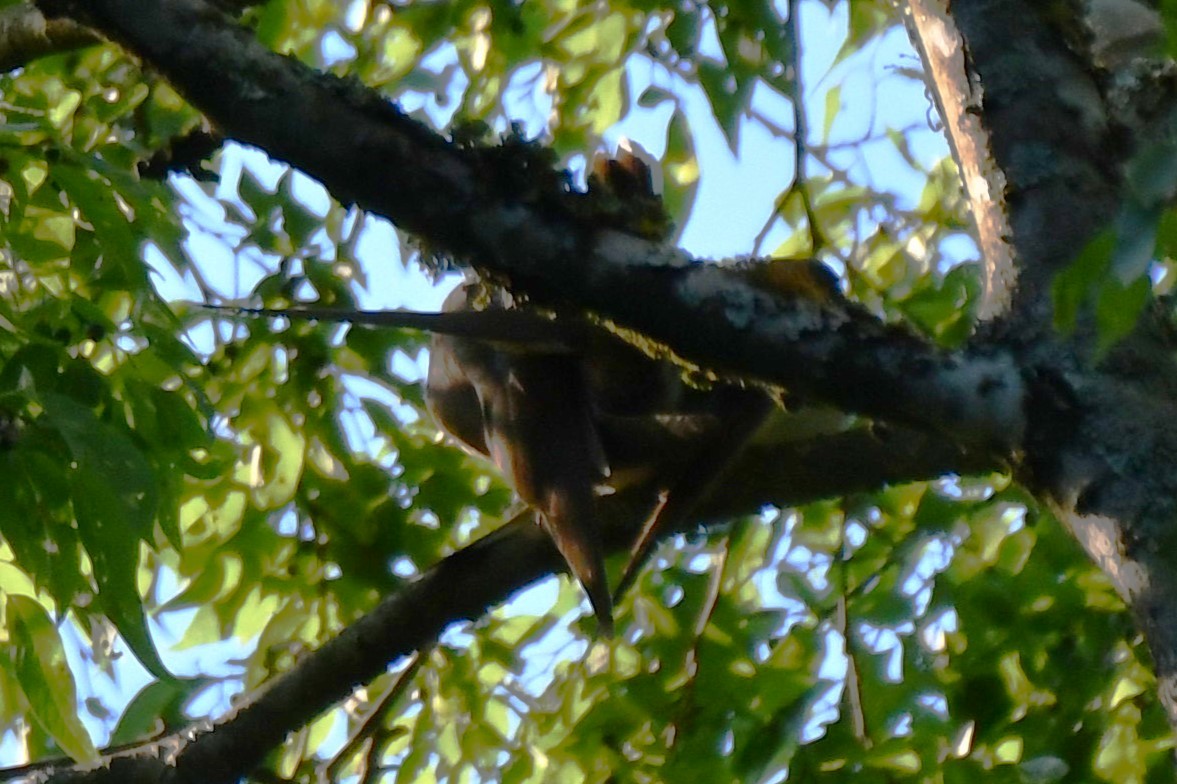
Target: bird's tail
x,y
572,525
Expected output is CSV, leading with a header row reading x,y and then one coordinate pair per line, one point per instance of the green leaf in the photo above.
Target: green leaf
x,y
599,40
1074,286
833,105
67,103
114,498
109,457
298,222
607,101
102,520
653,96
680,168
45,677
683,31
1152,173
156,709
259,198
1119,309
946,311
98,204
14,582
1136,241
283,455
728,96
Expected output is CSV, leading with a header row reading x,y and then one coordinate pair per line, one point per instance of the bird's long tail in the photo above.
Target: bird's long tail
x,y
571,523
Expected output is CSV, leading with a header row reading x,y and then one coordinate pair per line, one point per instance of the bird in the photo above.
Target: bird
x,y
526,406
567,410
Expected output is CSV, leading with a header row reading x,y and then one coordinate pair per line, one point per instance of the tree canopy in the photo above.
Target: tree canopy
x,y
239,548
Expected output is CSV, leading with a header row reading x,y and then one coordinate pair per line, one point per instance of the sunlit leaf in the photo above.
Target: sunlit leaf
x,y
45,676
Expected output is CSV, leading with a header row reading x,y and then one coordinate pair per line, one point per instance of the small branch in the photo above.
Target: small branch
x,y
817,240
687,711
372,724
519,327
853,692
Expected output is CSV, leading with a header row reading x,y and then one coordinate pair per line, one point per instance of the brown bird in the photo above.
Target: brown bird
x,y
565,407
527,407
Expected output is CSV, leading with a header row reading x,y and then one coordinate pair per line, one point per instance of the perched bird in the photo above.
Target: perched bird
x,y
527,407
566,410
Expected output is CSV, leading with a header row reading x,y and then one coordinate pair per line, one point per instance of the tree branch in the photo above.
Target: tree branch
x,y
1051,137
957,100
1101,441
484,207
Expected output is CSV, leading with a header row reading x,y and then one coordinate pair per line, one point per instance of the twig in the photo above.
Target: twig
x,y
372,724
853,691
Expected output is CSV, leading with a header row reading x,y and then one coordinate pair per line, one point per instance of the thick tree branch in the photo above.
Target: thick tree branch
x,y
485,208
1101,442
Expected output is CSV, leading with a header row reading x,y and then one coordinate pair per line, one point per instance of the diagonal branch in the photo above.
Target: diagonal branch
x,y
495,209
